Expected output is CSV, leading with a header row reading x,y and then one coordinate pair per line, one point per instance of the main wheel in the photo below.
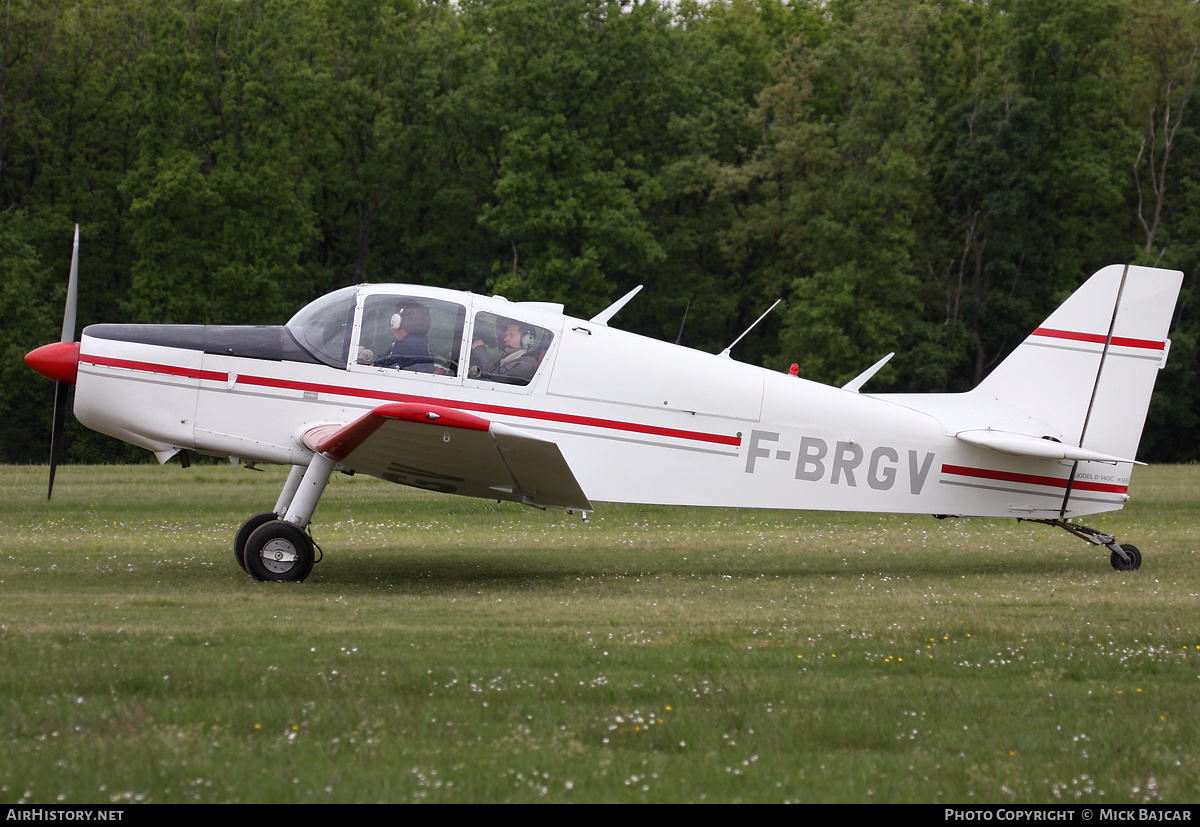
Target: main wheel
x,y
243,534
1134,561
279,551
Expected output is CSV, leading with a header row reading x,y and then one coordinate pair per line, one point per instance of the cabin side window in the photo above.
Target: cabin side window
x,y
411,333
506,350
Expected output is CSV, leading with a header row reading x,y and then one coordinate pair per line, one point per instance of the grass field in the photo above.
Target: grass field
x,y
458,650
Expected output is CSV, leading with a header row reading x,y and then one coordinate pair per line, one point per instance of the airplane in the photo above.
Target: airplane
x,y
479,396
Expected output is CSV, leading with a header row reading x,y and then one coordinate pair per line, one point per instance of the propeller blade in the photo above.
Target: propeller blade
x,y
68,328
61,389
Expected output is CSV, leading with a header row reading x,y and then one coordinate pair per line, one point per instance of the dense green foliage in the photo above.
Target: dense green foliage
x,y
926,177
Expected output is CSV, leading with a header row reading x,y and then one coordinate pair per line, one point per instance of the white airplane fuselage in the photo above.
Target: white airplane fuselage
x,y
636,420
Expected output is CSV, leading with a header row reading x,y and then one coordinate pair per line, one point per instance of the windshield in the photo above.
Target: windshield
x,y
323,327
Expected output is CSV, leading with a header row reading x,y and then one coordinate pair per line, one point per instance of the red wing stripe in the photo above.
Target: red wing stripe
x,y
1032,479
432,415
339,443
1098,338
440,404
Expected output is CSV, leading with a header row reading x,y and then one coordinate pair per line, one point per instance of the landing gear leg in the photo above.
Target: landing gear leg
x,y
1124,557
295,477
279,549
308,492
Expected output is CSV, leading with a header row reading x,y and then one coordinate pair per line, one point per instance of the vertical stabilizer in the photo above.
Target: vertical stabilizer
x,y
1088,371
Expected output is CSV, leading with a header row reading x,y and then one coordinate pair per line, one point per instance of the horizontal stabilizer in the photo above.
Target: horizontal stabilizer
x,y
1024,445
447,450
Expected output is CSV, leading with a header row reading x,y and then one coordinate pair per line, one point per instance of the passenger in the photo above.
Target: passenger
x,y
410,325
517,365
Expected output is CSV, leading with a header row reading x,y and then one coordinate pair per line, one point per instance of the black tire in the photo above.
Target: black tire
x,y
279,552
243,534
1134,561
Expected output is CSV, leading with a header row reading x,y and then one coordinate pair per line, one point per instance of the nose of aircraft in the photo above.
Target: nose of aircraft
x,y
59,361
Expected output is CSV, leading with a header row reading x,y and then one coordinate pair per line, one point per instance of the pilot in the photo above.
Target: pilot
x,y
410,325
519,362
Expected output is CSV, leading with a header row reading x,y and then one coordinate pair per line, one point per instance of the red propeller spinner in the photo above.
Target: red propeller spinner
x,y
58,361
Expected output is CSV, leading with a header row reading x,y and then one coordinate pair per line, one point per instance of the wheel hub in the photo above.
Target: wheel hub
x,y
279,556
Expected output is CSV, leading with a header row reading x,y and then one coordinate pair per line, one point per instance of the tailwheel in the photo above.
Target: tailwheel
x,y
1124,557
243,534
1134,561
279,551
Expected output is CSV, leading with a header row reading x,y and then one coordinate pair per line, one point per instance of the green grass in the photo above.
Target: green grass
x,y
458,650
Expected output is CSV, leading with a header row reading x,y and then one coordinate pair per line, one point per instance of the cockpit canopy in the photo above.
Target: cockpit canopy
x,y
323,327
424,330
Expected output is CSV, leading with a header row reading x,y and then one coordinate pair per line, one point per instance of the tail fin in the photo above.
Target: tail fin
x,y
1087,372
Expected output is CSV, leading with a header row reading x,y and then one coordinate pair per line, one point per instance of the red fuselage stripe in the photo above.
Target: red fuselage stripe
x,y
363,393
1098,339
1032,479
154,367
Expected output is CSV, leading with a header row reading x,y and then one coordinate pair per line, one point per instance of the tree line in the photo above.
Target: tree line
x,y
926,177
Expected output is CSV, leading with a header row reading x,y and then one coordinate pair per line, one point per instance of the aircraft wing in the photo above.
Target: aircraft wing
x,y
446,450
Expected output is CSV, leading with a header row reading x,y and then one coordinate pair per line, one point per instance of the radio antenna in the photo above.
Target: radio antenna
x,y
725,352
687,307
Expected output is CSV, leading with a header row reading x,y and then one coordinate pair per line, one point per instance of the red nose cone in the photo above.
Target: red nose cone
x,y
59,361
